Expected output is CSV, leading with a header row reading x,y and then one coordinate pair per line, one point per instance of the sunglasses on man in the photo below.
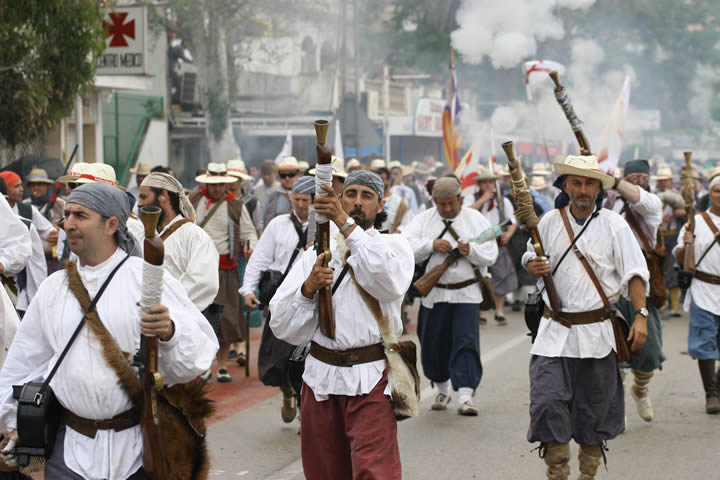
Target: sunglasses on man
x,y
288,174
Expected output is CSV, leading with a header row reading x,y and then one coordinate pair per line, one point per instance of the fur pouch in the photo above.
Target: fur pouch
x,y
404,378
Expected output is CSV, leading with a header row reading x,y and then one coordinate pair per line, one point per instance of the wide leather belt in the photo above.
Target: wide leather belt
x,y
707,277
348,358
89,428
456,286
578,318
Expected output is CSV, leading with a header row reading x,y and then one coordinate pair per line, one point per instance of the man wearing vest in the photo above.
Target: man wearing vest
x,y
278,202
643,211
703,294
227,221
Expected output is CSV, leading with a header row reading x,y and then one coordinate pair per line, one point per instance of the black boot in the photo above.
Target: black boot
x,y
712,394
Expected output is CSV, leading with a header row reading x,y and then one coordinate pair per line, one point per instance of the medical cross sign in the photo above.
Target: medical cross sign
x,y
125,47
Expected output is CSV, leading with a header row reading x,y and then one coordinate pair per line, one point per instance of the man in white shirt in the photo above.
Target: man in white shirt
x,y
448,320
575,386
399,214
279,247
45,229
85,385
644,213
345,380
702,296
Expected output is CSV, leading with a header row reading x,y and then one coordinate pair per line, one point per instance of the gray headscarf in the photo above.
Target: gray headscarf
x,y
304,185
108,201
366,179
165,181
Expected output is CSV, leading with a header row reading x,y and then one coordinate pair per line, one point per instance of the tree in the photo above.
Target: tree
x,y
46,61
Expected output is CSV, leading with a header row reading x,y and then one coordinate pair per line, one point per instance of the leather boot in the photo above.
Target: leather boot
x,y
288,412
712,393
557,456
590,457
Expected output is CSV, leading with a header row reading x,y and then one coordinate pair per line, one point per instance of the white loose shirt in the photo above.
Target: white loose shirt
x,y
426,227
191,257
407,194
493,215
15,244
614,255
36,270
84,383
392,203
272,252
649,208
705,295
383,267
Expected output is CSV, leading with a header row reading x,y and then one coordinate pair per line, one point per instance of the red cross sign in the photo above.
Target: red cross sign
x,y
118,30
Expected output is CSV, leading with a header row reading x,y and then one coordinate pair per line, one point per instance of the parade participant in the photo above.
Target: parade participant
x,y
354,395
643,211
503,275
141,171
15,245
541,195
703,198
397,176
702,298
87,387
398,212
663,179
276,251
268,183
48,233
575,386
422,175
278,202
228,223
338,174
241,187
303,166
674,216
352,165
448,320
39,184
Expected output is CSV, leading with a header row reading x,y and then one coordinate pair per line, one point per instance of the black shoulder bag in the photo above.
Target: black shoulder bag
x,y
535,305
270,280
38,412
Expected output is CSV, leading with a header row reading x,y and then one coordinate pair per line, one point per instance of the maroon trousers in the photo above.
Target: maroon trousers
x,y
346,437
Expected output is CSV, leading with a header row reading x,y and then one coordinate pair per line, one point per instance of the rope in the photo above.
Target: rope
x,y
566,105
323,176
524,212
152,286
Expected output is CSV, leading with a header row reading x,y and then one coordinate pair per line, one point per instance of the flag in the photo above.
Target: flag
x,y
450,118
614,133
467,170
286,150
537,70
338,142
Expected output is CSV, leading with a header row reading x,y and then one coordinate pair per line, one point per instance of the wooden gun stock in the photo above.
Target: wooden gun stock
x,y
326,317
154,456
528,219
688,193
428,281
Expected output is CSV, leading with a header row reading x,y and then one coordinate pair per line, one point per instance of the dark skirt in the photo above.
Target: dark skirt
x,y
651,355
274,359
503,277
232,321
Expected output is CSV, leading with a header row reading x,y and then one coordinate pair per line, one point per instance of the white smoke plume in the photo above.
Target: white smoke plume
x,y
507,32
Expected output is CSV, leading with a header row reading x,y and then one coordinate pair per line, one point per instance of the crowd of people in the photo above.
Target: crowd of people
x,y
240,241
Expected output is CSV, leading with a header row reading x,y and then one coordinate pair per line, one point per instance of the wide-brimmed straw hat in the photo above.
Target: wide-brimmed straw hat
x,y
377,164
216,173
338,168
540,168
584,166
395,164
484,173
663,173
236,168
538,182
141,169
82,172
288,163
38,175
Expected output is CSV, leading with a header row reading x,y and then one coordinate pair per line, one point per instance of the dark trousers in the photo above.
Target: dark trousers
x,y
450,343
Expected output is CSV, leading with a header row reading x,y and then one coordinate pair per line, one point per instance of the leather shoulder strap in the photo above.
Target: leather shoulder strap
x,y
173,228
710,223
583,260
374,306
211,213
633,222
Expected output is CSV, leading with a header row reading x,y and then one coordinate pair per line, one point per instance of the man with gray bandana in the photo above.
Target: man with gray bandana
x,y
85,385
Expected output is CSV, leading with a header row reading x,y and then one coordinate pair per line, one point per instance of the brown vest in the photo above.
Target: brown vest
x,y
235,208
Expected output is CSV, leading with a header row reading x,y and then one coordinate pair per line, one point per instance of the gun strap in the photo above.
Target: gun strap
x,y
173,228
476,271
211,213
715,232
427,260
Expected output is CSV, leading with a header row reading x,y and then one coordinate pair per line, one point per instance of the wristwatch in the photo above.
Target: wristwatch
x,y
348,223
642,311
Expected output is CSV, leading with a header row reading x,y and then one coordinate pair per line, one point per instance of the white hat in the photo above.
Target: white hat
x,y
377,164
395,164
288,163
538,182
303,165
663,173
711,173
540,168
338,169
216,173
236,168
503,170
141,169
484,173
90,172
354,163
584,166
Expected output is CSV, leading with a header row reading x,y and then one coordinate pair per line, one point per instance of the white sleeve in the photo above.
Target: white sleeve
x,y
43,225
415,234
200,278
482,254
629,259
15,247
650,208
261,258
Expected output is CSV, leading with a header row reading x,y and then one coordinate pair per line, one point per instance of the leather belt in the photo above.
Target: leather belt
x,y
348,358
89,428
456,286
707,277
578,318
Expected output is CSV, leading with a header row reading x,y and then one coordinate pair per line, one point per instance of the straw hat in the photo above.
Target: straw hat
x,y
303,165
338,169
584,166
503,170
38,175
353,163
712,173
422,169
236,168
91,172
377,164
538,182
407,170
484,173
540,168
288,163
395,164
141,169
663,173
216,173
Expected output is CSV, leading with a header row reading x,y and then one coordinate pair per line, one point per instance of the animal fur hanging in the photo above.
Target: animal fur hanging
x,y
182,408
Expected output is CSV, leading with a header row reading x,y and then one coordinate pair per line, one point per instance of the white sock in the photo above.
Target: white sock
x,y
465,395
443,387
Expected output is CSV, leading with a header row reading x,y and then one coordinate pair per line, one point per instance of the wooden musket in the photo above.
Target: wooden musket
x,y
154,456
526,216
322,244
575,123
688,193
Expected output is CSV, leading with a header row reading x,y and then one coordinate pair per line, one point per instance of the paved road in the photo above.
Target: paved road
x,y
681,443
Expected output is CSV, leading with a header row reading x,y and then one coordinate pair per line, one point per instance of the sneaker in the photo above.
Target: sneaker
x,y
500,319
223,376
441,402
482,321
468,410
233,354
206,375
643,405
